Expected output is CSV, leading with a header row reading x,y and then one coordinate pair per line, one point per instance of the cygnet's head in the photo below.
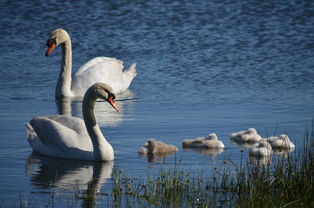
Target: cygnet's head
x,y
212,136
251,131
284,137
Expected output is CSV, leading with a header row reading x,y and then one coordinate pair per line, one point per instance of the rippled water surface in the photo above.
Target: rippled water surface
x,y
203,67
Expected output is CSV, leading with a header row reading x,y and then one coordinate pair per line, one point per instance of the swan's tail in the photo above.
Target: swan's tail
x,y
30,133
131,72
128,76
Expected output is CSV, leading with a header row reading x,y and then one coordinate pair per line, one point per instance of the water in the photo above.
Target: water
x,y
202,67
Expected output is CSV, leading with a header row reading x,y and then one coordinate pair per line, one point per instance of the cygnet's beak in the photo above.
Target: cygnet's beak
x,y
113,103
51,47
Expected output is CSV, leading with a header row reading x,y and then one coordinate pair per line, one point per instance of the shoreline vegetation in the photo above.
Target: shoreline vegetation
x,y
286,182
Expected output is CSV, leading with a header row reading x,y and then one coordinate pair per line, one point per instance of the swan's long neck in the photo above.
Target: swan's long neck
x,y
102,149
63,88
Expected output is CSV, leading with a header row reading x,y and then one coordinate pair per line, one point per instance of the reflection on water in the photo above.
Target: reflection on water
x,y
48,172
260,161
157,157
244,144
85,177
106,116
210,152
283,152
64,106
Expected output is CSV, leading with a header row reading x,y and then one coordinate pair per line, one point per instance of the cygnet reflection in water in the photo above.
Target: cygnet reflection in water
x,y
105,115
260,161
210,152
283,152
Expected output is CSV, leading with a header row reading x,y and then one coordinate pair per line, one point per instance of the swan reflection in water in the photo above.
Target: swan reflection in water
x,y
64,174
105,115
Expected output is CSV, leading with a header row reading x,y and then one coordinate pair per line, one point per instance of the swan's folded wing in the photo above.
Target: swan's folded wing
x,y
73,123
101,69
110,62
61,131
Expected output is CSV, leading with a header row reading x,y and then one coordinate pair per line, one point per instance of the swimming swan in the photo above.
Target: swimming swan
x,y
246,136
203,142
281,142
153,146
261,149
70,137
100,69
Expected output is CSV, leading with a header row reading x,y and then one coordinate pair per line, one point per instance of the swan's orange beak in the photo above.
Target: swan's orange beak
x,y
113,103
51,47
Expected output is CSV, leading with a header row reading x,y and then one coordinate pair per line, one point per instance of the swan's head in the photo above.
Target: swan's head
x,y
104,92
56,37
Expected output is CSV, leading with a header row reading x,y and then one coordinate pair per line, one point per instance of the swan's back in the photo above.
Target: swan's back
x,y
105,70
114,63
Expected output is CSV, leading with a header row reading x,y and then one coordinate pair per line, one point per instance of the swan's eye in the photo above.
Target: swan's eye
x,y
51,41
111,95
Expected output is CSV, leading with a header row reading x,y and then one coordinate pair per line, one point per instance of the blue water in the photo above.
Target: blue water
x,y
203,67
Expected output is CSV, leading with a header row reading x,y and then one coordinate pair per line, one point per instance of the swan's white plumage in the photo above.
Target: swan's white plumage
x,y
105,70
67,137
100,69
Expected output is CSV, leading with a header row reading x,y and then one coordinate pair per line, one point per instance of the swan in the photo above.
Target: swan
x,y
250,136
203,142
153,146
70,137
281,142
99,69
261,149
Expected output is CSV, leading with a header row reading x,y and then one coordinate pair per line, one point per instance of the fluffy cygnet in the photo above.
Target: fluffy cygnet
x,y
281,142
261,149
153,146
250,136
203,142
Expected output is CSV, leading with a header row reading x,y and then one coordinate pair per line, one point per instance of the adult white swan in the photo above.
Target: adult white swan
x,y
100,69
69,137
